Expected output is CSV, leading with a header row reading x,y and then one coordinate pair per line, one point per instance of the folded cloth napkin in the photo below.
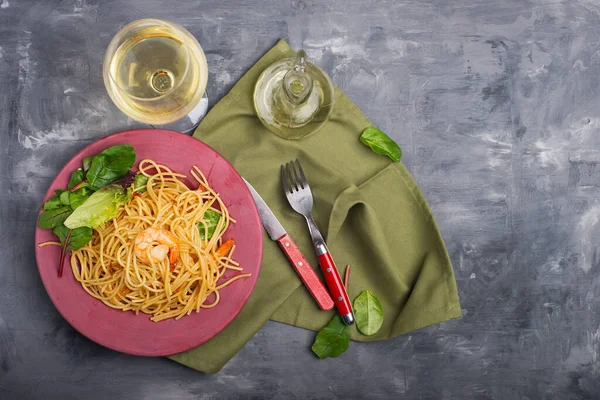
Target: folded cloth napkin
x,y
372,213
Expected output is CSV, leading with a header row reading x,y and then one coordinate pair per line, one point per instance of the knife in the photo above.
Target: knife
x,y
294,255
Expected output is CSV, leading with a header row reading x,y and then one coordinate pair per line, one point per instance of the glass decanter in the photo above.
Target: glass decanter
x,y
293,97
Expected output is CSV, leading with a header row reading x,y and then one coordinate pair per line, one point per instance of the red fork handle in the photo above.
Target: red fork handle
x,y
306,273
336,288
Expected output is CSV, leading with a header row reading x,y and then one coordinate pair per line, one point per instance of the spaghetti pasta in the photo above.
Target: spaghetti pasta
x,y
122,264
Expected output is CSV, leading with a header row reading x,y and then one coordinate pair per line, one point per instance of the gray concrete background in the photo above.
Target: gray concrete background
x,y
496,106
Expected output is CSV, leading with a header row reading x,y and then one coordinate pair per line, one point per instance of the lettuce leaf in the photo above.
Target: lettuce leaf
x,y
100,207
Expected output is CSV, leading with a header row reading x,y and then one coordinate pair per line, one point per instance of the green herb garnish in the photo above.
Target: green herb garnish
x,y
52,218
110,165
76,179
368,313
79,196
381,143
87,162
64,199
71,240
332,340
139,183
94,195
209,224
54,201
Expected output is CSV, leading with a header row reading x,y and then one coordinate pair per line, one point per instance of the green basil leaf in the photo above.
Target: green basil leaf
x,y
53,218
332,340
381,143
139,183
110,165
79,196
76,177
64,198
87,162
368,313
54,201
211,219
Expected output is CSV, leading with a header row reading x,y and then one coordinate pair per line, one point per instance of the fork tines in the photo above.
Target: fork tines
x,y
293,177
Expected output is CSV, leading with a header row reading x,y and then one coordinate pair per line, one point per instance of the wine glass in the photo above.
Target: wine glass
x,y
156,73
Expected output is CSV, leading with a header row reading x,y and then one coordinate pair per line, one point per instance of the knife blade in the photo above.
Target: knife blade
x,y
278,234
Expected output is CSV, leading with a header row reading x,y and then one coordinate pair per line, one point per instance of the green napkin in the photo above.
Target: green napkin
x,y
372,213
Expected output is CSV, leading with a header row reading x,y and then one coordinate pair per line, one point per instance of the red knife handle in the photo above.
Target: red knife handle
x,y
306,273
336,287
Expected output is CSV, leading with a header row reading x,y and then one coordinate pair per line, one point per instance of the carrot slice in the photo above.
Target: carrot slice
x,y
225,248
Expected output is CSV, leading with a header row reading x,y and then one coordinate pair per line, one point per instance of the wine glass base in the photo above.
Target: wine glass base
x,y
188,123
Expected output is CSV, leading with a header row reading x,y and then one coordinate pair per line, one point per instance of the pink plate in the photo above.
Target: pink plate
x,y
136,334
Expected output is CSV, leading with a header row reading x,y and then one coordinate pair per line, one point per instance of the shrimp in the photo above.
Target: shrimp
x,y
152,245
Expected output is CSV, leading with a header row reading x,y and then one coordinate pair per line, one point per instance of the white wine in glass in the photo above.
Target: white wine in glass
x,y
156,73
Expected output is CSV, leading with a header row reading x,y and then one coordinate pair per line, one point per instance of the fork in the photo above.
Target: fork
x,y
300,198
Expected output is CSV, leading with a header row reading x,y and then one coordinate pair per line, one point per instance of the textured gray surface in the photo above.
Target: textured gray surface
x,y
496,106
